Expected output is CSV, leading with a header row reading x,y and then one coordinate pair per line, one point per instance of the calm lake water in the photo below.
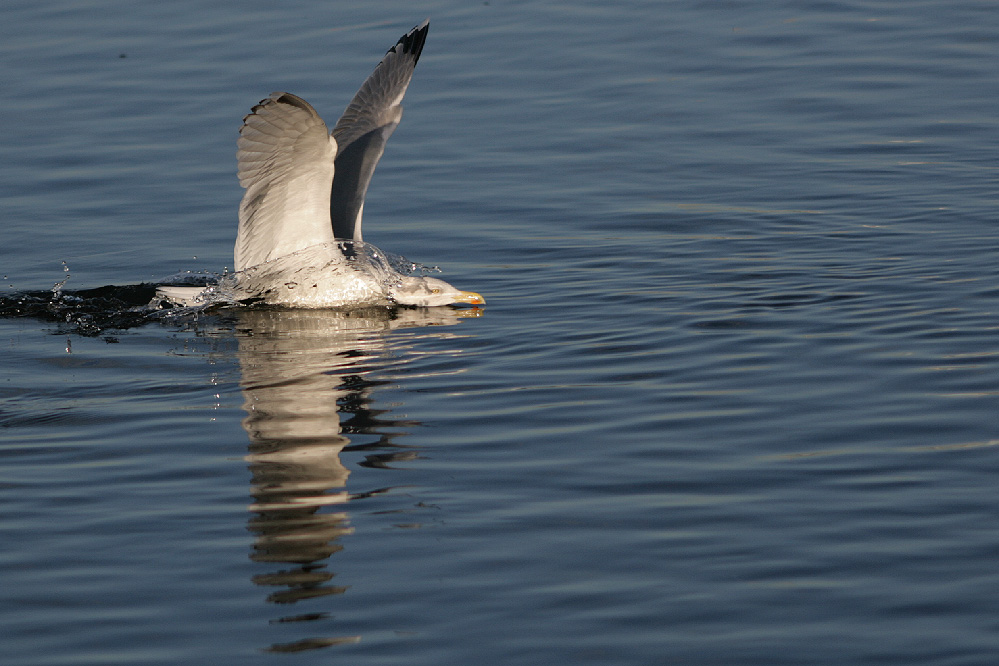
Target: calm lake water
x,y
733,399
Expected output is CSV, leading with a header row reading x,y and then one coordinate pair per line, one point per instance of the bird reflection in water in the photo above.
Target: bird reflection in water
x,y
301,369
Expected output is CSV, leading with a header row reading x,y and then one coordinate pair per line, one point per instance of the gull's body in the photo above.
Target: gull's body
x,y
305,188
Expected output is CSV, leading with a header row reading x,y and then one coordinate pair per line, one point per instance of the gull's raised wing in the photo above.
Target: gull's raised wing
x,y
285,160
366,125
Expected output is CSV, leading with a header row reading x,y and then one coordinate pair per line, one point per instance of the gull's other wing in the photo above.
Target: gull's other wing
x,y
366,125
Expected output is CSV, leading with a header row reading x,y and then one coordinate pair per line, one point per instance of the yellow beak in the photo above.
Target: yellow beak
x,y
471,298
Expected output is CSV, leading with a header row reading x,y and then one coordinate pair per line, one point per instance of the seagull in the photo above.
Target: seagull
x,y
299,241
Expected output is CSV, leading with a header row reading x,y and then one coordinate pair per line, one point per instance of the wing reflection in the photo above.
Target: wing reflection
x,y
300,369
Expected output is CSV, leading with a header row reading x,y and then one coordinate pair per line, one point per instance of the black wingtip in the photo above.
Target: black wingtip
x,y
278,98
293,100
412,42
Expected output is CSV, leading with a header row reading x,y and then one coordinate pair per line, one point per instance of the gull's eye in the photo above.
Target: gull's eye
x,y
435,291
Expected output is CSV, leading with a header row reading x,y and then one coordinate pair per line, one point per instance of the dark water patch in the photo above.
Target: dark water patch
x,y
86,312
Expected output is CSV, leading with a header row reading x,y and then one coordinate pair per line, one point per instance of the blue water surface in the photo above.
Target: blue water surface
x,y
733,399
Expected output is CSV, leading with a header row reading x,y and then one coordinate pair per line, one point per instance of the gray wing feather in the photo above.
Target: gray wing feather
x,y
285,161
364,128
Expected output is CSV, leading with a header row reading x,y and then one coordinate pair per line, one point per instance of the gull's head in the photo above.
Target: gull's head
x,y
430,292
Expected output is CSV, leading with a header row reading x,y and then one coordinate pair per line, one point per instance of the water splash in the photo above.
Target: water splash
x,y
387,267
57,287
87,312
91,312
